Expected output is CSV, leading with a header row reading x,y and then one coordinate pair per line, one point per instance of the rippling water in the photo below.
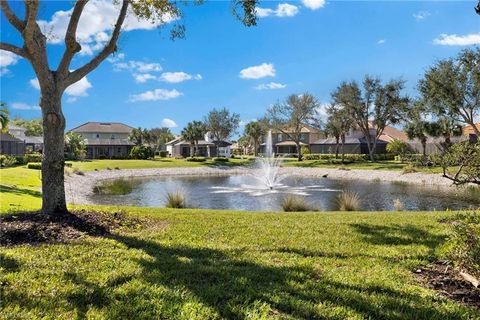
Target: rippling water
x,y
243,192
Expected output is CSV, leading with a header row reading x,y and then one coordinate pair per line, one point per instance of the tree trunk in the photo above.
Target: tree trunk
x,y
424,147
299,150
192,152
343,148
336,147
255,152
53,160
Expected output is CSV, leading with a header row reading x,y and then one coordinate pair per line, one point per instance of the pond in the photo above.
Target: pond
x,y
241,192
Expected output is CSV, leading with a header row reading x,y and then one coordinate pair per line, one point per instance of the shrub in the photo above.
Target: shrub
x,y
117,168
7,161
163,154
33,157
292,203
175,200
78,171
385,156
348,201
196,159
409,168
115,187
142,152
34,165
220,159
20,160
331,157
463,244
398,147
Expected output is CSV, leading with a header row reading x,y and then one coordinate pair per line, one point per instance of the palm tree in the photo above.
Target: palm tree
x,y
255,130
193,132
4,117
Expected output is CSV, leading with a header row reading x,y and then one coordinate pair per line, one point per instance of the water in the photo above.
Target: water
x,y
267,173
243,192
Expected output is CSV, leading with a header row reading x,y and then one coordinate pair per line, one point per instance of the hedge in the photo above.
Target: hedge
x,y
330,157
196,159
220,159
38,165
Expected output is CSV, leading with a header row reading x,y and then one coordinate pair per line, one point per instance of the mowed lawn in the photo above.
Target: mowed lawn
x,y
201,264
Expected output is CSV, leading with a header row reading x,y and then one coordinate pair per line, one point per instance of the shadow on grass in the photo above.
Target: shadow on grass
x,y
20,191
397,235
231,287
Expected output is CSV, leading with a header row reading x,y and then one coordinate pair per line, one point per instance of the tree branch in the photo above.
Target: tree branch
x,y
81,72
14,49
31,8
11,17
71,44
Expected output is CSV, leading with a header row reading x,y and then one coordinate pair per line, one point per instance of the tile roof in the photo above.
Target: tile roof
x,y
103,127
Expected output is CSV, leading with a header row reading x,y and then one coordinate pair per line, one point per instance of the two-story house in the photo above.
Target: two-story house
x,y
207,147
284,144
106,140
32,143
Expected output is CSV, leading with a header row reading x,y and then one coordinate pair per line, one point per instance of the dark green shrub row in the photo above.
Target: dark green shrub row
x,y
463,245
9,161
328,156
163,154
38,165
196,159
220,159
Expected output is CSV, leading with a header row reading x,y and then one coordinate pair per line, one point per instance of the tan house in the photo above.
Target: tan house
x,y
283,144
106,140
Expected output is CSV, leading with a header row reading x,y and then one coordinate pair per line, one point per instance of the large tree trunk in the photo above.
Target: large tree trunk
x,y
337,147
53,161
424,146
299,150
255,152
343,148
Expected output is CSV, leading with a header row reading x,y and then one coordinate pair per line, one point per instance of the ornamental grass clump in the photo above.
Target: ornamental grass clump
x,y
292,203
348,201
175,200
115,187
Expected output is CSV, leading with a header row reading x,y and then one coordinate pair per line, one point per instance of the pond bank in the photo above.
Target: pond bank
x,y
80,187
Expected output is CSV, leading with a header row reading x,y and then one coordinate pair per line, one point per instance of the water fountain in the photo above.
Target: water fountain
x,y
269,166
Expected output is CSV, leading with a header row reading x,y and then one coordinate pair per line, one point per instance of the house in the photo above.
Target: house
x,y
207,147
470,133
356,143
9,145
32,143
106,140
283,144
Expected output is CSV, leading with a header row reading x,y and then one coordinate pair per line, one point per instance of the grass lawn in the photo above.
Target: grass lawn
x,y
205,264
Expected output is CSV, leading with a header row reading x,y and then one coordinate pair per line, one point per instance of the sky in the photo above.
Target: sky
x,y
296,47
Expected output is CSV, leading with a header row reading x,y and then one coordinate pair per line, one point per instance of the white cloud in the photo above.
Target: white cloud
x,y
7,59
72,99
143,77
271,85
455,40
23,106
421,15
168,123
176,77
381,41
78,89
155,95
282,10
257,72
137,66
96,24
313,4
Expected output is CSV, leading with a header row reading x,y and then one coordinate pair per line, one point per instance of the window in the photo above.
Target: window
x,y
119,150
303,137
98,136
279,137
112,137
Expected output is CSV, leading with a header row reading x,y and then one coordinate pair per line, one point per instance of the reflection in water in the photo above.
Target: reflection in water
x,y
244,193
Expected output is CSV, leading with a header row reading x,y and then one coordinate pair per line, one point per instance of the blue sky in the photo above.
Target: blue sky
x,y
296,47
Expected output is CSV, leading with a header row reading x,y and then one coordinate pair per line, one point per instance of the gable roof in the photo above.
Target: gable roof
x,y
9,137
103,127
467,130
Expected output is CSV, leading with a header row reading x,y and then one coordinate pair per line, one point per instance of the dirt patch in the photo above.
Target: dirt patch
x,y
36,228
442,277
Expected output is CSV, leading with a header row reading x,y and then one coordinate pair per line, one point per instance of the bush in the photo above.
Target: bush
x,y
398,147
293,203
331,157
115,187
78,171
463,245
7,161
196,159
34,165
142,152
163,154
20,160
385,156
175,200
409,168
220,159
33,157
348,201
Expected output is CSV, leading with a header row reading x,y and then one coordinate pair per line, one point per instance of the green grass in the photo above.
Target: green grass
x,y
235,265
19,189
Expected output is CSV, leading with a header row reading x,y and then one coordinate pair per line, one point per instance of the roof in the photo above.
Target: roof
x,y
34,140
204,143
347,141
289,143
8,137
103,127
14,127
108,142
467,130
174,141
305,129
